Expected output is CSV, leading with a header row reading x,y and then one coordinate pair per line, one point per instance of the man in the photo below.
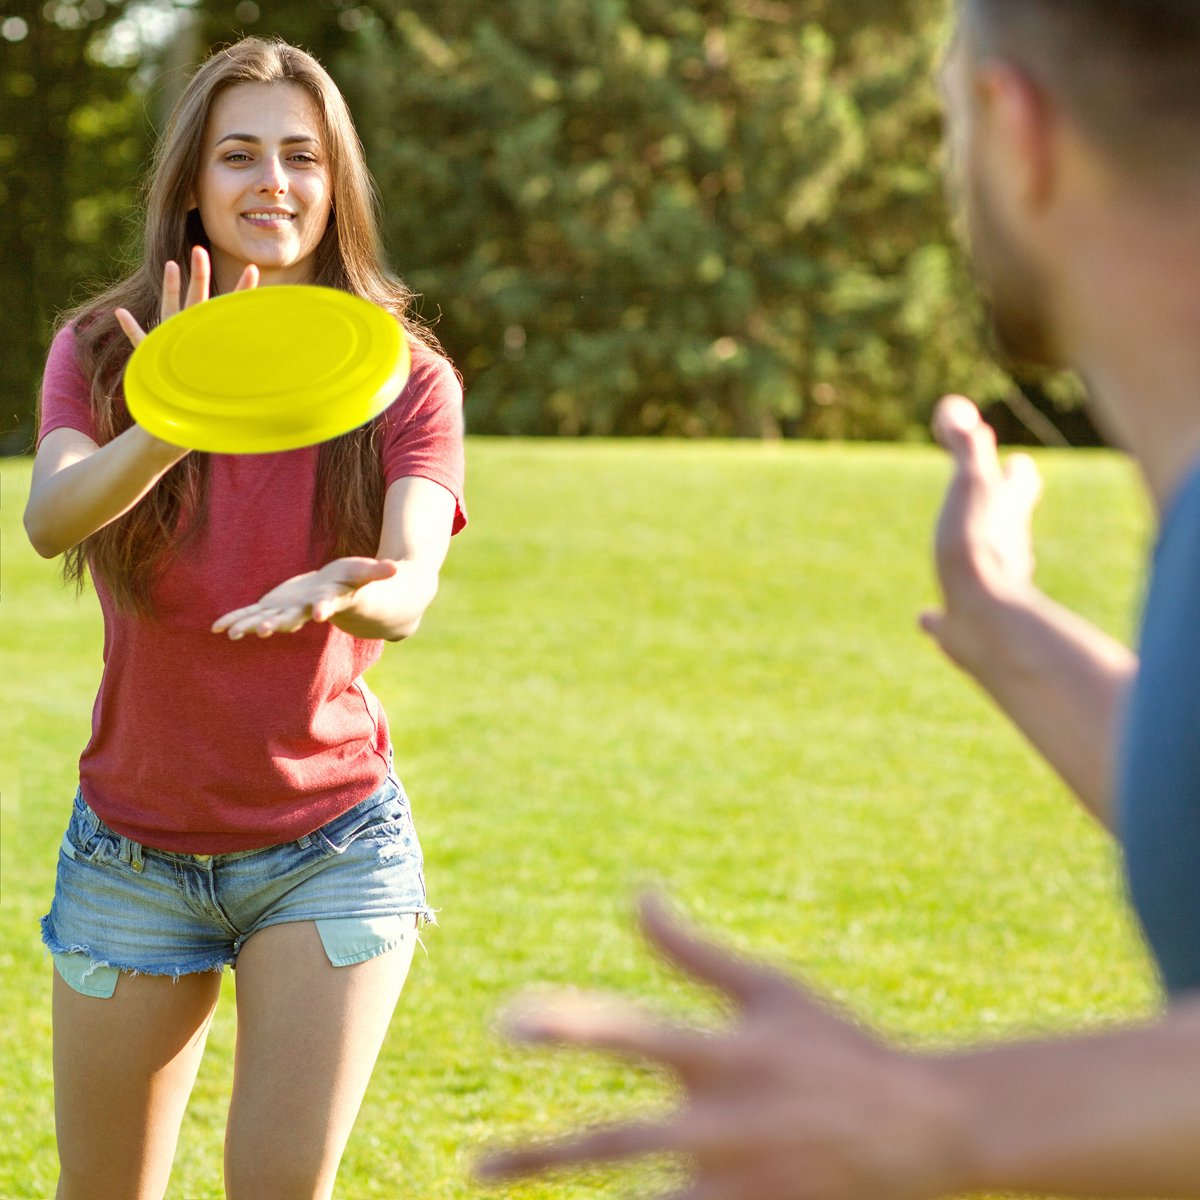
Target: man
x,y
1074,130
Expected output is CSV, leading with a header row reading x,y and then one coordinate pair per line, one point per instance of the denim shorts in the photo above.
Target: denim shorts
x,y
120,906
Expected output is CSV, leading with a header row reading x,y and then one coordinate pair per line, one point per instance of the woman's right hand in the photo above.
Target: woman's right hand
x,y
172,298
79,486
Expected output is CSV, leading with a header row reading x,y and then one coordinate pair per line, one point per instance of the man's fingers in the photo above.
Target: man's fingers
x,y
717,1145
704,1189
961,430
607,1144
954,418
745,981
1024,481
738,1185
600,1023
931,621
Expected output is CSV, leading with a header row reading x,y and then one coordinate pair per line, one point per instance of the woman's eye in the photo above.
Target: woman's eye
x,y
308,159
237,156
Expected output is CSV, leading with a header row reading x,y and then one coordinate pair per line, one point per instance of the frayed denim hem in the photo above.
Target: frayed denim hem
x,y
198,966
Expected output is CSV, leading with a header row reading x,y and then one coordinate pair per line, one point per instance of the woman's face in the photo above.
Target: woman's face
x,y
264,189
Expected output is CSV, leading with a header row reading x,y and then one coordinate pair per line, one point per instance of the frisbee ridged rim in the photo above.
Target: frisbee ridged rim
x,y
267,369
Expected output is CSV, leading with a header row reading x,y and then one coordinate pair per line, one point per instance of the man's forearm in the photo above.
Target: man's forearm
x,y
1059,679
1115,1114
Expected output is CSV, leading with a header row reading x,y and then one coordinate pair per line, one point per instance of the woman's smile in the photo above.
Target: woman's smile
x,y
269,218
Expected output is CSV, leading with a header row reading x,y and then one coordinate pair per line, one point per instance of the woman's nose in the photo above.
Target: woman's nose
x,y
273,179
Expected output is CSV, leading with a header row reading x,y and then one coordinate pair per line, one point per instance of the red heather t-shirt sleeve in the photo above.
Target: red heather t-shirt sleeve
x,y
423,429
66,396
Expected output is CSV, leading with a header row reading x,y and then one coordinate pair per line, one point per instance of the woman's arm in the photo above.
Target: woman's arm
x,y
383,597
79,487
418,515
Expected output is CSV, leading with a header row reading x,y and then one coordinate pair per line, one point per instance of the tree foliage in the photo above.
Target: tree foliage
x,y
626,216
641,216
73,138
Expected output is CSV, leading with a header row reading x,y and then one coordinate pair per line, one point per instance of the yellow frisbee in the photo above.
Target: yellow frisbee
x,y
267,369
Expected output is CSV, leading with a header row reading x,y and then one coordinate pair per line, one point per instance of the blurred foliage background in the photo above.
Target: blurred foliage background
x,y
626,217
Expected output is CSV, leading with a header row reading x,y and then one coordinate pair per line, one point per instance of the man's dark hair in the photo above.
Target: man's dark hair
x,y
1127,70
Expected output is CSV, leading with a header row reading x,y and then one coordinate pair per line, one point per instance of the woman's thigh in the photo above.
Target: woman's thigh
x,y
308,1037
124,1067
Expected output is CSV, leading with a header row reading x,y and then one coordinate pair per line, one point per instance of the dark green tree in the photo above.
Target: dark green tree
x,y
643,216
73,136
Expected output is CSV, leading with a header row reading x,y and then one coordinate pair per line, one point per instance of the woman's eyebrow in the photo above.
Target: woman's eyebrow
x,y
290,140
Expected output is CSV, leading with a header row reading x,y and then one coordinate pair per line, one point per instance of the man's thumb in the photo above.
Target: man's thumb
x,y
931,622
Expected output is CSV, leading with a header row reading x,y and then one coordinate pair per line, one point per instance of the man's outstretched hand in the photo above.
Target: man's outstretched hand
x,y
791,1102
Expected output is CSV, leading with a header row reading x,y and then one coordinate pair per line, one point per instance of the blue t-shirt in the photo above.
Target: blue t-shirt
x,y
1158,799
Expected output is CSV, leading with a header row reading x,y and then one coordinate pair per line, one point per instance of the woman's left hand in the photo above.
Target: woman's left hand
x,y
313,596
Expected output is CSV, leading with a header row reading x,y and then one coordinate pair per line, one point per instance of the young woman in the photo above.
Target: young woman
x,y
237,803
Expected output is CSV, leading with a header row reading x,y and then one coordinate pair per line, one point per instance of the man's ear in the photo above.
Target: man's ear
x,y
1016,122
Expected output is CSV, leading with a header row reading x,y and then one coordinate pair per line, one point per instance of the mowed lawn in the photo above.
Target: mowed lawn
x,y
694,665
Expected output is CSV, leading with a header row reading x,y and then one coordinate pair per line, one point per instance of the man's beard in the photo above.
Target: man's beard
x,y
1014,292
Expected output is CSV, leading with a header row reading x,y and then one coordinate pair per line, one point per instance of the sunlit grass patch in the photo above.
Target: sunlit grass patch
x,y
696,665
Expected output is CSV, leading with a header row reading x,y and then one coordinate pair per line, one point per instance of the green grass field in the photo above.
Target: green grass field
x,y
690,664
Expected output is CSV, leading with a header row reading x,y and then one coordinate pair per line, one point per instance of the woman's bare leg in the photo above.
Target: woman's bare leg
x,y
123,1070
308,1037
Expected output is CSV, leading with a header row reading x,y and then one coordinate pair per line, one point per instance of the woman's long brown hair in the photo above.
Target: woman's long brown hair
x,y
128,553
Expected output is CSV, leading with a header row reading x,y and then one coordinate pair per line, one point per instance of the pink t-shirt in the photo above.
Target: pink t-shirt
x,y
205,746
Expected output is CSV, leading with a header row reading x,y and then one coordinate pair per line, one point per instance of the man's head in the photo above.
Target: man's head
x,y
1047,95
1128,71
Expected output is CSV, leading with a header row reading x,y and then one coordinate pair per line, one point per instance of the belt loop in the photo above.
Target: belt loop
x,y
91,818
131,853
